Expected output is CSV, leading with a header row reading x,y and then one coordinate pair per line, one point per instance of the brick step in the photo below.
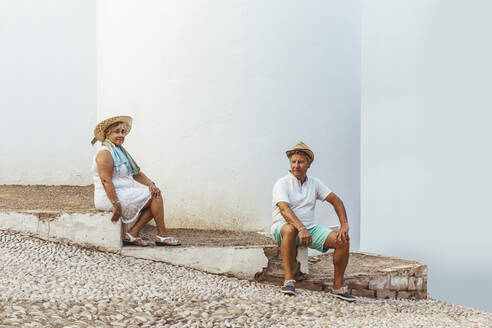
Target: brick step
x,y
367,275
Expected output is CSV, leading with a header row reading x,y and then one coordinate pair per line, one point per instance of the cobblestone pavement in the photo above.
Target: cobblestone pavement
x,y
44,284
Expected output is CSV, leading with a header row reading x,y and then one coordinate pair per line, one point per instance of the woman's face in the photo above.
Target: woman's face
x,y
117,134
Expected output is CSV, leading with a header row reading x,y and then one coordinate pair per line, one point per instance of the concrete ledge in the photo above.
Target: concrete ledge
x,y
241,262
85,229
367,275
96,230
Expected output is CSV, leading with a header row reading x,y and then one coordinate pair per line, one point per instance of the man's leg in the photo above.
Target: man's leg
x,y
288,241
340,257
288,249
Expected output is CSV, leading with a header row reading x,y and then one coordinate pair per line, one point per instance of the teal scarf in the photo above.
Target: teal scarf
x,y
121,157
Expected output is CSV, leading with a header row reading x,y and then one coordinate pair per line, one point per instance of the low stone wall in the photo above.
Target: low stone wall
x,y
404,282
274,271
240,262
85,229
95,230
367,275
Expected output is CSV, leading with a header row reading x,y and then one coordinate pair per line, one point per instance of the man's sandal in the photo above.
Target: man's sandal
x,y
134,241
166,241
343,294
289,287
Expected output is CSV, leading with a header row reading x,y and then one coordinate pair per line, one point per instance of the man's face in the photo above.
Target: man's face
x,y
299,166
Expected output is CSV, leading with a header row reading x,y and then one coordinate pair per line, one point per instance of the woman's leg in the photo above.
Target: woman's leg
x,y
157,210
145,216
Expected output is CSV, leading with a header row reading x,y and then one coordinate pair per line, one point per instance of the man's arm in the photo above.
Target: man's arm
x,y
337,203
291,218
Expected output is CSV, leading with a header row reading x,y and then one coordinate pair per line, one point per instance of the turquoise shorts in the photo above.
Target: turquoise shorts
x,y
319,234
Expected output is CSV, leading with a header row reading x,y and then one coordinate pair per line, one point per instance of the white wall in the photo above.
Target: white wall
x,y
220,89
426,159
48,91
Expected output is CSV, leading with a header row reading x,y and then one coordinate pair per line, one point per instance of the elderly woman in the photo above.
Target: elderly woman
x,y
114,174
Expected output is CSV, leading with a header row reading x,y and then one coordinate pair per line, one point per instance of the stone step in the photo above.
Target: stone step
x,y
239,254
367,275
66,214
85,229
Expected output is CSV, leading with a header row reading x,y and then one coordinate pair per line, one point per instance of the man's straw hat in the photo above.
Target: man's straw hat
x,y
101,127
302,147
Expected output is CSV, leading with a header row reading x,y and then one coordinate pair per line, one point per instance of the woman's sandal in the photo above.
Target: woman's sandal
x,y
132,241
167,241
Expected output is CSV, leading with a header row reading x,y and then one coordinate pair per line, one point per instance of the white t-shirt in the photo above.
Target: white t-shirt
x,y
300,196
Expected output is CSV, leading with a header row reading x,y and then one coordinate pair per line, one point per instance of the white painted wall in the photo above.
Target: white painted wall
x,y
48,91
220,89
426,159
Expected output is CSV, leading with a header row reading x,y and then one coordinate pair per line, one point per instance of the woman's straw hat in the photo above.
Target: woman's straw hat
x,y
101,127
302,147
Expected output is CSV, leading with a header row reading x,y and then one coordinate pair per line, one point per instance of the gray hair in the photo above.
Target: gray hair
x,y
300,152
110,128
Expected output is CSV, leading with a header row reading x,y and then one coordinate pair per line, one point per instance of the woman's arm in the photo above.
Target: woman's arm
x,y
143,179
104,162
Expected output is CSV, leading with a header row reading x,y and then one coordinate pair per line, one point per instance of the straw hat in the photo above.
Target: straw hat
x,y
101,127
302,147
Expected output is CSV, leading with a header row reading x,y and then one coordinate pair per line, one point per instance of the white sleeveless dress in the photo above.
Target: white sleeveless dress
x,y
132,199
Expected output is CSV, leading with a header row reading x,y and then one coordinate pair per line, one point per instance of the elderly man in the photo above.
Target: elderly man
x,y
294,201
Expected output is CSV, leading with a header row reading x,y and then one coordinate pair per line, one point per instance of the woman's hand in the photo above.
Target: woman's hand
x,y
154,191
116,213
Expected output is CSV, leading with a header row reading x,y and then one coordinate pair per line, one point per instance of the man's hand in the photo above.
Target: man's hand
x,y
342,234
154,191
116,213
305,237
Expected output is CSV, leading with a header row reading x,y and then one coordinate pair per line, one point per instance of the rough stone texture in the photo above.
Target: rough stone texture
x,y
420,271
365,275
212,238
404,295
358,282
364,293
44,284
274,271
398,283
68,199
385,294
272,252
379,282
415,283
310,284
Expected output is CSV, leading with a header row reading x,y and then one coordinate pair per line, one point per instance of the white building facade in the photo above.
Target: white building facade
x,y
48,91
397,117
220,89
425,159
